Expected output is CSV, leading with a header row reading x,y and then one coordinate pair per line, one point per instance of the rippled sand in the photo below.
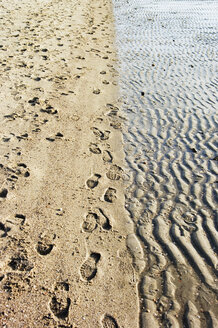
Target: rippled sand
x,y
168,84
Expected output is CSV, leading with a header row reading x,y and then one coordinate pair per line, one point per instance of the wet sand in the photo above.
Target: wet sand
x,y
64,260
167,52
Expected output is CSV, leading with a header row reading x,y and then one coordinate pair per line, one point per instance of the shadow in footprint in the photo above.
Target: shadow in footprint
x,y
43,248
94,148
109,322
3,193
62,286
107,157
101,135
88,269
60,302
3,230
93,181
19,262
21,217
45,244
110,195
60,306
103,220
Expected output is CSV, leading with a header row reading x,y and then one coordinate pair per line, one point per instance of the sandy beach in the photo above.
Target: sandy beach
x,y
64,260
168,82
108,164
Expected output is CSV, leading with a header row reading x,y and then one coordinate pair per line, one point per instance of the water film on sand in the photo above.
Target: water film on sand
x,y
167,52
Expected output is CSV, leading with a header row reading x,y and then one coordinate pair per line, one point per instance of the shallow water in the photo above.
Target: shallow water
x,y
168,83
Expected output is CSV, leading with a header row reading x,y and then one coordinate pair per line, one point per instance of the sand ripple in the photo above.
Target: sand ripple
x,y
168,85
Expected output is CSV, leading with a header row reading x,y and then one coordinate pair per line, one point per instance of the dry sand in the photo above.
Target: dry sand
x,y
64,261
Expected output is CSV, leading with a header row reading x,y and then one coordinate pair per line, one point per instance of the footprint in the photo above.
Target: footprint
x,y
19,262
97,132
3,193
116,125
110,195
50,139
97,91
113,110
60,302
45,243
44,248
21,217
21,170
88,269
93,219
60,306
106,135
101,135
3,230
34,101
103,220
93,181
22,136
94,148
109,322
115,172
62,286
15,283
90,222
49,110
58,135
107,157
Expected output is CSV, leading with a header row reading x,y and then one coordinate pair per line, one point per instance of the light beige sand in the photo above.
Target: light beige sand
x,y
64,261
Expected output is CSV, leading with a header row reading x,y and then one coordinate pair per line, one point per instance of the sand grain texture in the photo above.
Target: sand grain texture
x,y
168,60
64,261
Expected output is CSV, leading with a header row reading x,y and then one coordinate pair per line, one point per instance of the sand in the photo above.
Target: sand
x,y
168,61
94,231
63,225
